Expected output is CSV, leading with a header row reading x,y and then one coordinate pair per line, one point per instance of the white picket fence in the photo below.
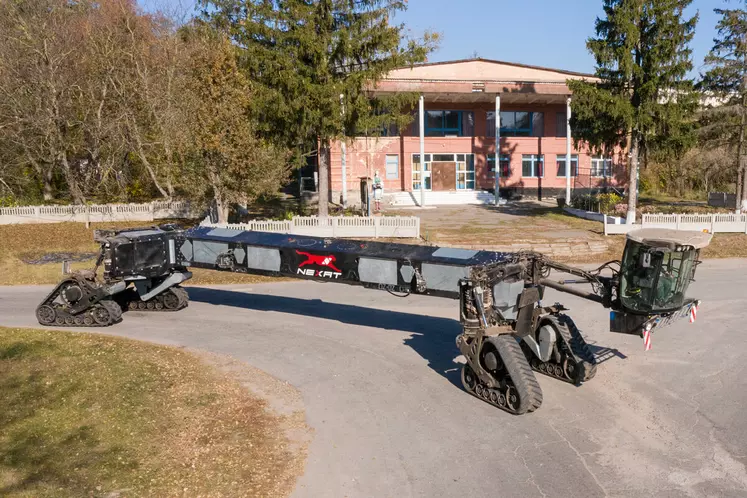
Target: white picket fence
x,y
96,213
713,223
335,226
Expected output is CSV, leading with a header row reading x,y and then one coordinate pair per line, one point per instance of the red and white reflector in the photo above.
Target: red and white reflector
x,y
647,338
693,313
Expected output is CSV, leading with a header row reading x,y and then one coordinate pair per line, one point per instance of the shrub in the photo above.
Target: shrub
x,y
600,203
8,201
607,202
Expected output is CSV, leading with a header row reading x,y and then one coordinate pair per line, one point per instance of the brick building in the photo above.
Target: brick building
x,y
459,99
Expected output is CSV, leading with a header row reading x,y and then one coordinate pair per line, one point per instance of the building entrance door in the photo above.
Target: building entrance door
x,y
444,175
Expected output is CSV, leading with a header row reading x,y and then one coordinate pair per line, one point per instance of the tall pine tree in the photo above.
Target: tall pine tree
x,y
307,59
726,122
643,100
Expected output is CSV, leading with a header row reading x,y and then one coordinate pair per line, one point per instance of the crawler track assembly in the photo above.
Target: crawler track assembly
x,y
516,390
172,299
78,302
575,362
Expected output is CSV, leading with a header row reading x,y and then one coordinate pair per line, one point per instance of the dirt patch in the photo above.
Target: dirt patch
x,y
55,257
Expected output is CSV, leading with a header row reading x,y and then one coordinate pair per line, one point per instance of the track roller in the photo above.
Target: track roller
x,y
515,388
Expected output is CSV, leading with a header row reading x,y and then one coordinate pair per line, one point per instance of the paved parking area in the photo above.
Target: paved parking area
x,y
379,380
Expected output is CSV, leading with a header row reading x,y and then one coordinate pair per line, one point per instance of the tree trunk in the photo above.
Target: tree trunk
x,y
45,175
741,157
47,184
149,168
324,154
72,182
633,177
221,206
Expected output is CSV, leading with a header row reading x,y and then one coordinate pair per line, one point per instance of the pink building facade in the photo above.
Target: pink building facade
x,y
459,102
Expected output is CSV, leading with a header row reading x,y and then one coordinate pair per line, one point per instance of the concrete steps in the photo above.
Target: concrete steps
x,y
561,249
405,199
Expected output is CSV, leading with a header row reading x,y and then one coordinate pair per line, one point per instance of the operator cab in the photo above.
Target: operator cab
x,y
656,269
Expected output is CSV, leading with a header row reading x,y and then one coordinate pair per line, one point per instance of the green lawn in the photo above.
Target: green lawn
x,y
91,415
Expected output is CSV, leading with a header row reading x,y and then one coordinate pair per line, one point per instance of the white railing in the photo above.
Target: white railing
x,y
342,226
591,215
713,223
96,213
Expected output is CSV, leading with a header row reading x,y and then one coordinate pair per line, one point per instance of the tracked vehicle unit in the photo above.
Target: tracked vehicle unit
x,y
507,333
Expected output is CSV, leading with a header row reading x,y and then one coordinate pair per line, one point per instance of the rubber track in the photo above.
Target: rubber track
x,y
130,296
586,363
586,359
114,310
182,295
519,371
115,314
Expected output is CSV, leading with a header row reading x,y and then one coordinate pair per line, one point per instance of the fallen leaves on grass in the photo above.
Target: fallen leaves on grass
x,y
90,415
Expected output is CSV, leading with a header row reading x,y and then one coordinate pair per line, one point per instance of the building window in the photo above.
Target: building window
x,y
465,172
561,124
532,165
390,130
448,124
538,124
392,166
505,165
416,172
517,124
561,165
601,167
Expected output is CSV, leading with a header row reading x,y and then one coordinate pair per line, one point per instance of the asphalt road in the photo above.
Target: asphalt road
x,y
379,376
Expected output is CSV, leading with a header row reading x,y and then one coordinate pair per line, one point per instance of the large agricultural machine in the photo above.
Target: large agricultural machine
x,y
506,330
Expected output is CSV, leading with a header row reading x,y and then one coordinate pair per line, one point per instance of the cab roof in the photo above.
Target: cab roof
x,y
669,236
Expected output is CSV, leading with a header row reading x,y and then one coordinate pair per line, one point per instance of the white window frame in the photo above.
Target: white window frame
x,y
574,159
536,159
461,167
416,171
386,164
606,167
505,158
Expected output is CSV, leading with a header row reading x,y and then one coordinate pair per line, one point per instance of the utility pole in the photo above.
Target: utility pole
x,y
497,149
343,149
568,151
422,151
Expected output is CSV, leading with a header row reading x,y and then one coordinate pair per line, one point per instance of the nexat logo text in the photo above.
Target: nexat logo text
x,y
318,260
